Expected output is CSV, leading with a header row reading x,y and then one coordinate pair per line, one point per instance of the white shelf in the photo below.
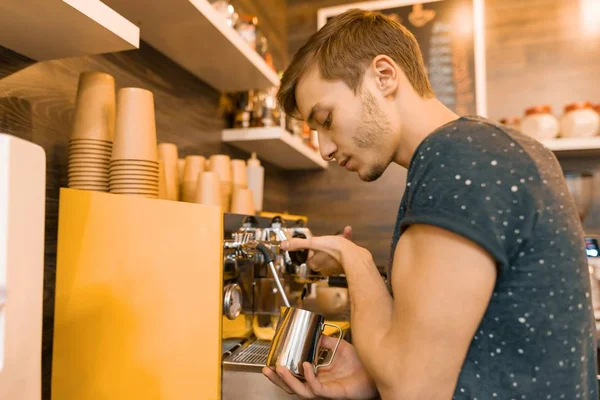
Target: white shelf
x,y
197,37
574,146
50,29
275,145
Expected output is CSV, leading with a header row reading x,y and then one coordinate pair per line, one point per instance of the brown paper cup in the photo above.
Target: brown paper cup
x,y
162,183
94,107
209,189
88,175
226,192
167,152
134,162
152,177
180,168
221,164
194,166
91,141
91,188
88,167
84,146
239,176
243,202
135,128
153,182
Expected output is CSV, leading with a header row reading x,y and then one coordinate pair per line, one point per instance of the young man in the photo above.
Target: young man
x,y
491,293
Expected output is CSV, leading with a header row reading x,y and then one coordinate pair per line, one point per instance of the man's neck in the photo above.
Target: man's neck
x,y
420,117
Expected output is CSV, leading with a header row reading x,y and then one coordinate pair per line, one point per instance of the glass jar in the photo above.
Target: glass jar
x,y
246,27
539,123
579,120
226,10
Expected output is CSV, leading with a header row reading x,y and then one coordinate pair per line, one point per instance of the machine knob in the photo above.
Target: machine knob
x,y
250,222
300,256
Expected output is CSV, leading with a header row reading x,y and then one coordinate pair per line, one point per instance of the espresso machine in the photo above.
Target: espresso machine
x,y
252,301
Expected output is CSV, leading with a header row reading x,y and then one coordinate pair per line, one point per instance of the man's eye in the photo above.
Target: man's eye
x,y
327,123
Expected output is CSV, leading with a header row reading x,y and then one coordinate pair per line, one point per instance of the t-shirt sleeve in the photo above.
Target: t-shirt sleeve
x,y
476,192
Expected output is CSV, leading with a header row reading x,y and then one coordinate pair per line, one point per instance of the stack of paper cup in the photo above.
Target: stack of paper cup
x,y
90,145
134,163
194,166
167,152
221,164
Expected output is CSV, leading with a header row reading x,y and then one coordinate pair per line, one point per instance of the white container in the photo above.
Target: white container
x,y
539,123
256,181
22,220
579,120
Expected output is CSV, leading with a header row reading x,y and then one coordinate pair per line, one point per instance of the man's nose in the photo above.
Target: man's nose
x,y
326,147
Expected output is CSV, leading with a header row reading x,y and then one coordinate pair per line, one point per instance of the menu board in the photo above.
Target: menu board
x,y
449,33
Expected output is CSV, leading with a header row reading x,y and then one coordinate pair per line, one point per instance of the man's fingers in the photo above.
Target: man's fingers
x,y
328,342
298,244
327,244
273,377
348,232
311,380
293,383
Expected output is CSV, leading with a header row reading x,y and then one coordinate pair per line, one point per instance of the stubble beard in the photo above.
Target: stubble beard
x,y
372,133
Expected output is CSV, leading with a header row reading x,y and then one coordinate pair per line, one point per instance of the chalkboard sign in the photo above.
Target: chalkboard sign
x,y
450,35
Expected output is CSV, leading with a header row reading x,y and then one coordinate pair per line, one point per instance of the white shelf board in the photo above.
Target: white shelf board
x,y
197,37
50,29
275,145
574,146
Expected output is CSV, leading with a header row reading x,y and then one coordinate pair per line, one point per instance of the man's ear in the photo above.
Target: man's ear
x,y
386,75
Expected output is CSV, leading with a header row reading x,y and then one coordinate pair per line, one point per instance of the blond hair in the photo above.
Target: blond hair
x,y
346,45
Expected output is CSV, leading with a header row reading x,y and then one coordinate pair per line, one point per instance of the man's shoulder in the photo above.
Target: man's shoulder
x,y
471,131
476,147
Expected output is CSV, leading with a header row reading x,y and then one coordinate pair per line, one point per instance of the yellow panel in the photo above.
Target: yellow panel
x,y
285,216
240,327
138,299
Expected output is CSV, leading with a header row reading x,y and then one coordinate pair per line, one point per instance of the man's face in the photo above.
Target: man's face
x,y
354,129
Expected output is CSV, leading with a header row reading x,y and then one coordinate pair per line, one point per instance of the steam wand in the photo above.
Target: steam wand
x,y
268,258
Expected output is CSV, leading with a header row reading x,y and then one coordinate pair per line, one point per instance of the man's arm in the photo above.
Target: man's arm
x,y
414,344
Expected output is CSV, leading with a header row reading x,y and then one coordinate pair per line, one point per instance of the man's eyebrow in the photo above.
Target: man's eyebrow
x,y
311,115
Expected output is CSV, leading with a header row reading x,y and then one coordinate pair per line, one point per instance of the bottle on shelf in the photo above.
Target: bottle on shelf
x,y
256,180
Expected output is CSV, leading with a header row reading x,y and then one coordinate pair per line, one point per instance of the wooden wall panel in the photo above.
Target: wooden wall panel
x,y
536,52
37,102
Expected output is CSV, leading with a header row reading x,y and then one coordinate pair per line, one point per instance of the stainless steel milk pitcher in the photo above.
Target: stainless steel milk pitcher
x,y
297,340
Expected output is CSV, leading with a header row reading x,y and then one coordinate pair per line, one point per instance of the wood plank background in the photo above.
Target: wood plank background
x,y
37,103
536,52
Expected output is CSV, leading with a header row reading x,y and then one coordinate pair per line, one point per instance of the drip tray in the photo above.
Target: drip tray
x,y
252,356
229,345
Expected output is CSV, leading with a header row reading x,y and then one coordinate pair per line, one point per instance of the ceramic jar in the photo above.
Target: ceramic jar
x,y
579,120
539,123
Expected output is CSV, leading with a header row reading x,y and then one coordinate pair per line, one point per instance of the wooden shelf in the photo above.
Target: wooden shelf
x,y
574,146
275,145
50,29
197,37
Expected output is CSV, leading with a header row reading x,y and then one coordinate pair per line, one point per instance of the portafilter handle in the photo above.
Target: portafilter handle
x,y
268,257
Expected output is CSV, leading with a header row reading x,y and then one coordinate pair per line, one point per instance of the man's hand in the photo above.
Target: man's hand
x,y
324,263
344,379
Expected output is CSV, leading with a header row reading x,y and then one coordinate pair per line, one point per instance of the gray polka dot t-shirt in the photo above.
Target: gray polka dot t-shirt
x,y
506,192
